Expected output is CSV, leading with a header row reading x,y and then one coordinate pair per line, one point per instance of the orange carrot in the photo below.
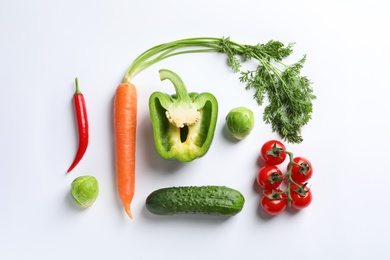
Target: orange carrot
x,y
125,124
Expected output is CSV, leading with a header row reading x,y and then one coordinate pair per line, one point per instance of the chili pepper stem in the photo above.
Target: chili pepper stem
x,y
77,86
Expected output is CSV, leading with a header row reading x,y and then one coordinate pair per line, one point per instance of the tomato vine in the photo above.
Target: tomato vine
x,y
297,194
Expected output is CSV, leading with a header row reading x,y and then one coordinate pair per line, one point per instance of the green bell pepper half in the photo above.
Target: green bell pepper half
x,y
183,123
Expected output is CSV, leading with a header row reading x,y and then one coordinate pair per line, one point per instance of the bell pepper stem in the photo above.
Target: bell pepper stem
x,y
180,87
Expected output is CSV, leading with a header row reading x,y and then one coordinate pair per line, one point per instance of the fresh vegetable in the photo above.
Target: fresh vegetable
x,y
209,200
289,93
125,121
301,170
272,152
273,201
269,177
183,124
301,196
84,190
82,125
240,122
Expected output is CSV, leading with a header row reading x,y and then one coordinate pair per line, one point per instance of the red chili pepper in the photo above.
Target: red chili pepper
x,y
82,125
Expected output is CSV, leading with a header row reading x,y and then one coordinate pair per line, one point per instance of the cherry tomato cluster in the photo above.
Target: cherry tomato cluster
x,y
270,178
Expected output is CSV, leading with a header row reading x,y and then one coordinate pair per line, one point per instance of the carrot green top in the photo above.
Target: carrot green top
x,y
290,95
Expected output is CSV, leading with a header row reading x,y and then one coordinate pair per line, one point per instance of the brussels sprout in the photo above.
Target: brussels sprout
x,y
240,122
84,190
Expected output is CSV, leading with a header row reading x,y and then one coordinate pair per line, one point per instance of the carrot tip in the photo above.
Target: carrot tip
x,y
127,209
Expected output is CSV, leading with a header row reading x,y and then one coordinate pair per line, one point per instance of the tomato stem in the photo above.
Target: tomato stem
x,y
275,195
289,178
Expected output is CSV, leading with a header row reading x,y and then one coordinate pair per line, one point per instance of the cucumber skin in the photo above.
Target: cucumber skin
x,y
207,200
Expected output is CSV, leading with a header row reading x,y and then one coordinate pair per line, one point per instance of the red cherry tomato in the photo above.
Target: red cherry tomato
x,y
302,170
301,197
275,205
269,177
272,152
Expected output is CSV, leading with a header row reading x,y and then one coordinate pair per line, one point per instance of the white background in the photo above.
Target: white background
x,y
44,45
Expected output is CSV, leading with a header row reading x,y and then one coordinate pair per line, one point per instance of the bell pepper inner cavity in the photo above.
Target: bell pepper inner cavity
x,y
183,123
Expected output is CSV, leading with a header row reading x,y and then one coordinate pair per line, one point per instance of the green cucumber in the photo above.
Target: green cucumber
x,y
208,200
